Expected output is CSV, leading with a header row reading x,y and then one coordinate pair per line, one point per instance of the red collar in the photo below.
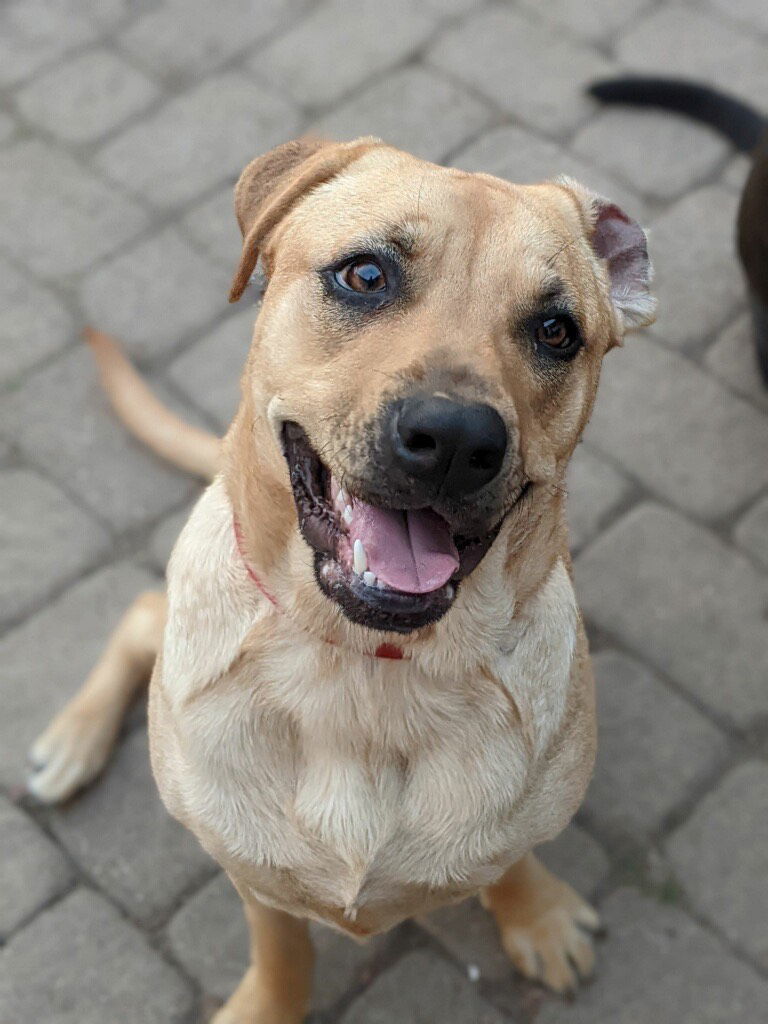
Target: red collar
x,y
389,651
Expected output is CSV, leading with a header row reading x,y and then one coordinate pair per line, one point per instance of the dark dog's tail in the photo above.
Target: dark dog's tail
x,y
738,121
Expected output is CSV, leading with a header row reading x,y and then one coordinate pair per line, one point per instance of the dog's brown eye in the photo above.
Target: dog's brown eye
x,y
362,276
555,333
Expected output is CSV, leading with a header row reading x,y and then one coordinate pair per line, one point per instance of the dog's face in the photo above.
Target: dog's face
x,y
427,356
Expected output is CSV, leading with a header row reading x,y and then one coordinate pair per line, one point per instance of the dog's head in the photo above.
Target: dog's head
x,y
426,357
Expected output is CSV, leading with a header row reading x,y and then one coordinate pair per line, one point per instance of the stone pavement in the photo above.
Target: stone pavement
x,y
123,124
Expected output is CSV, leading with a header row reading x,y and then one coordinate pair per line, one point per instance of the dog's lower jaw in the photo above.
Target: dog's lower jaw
x,y
380,610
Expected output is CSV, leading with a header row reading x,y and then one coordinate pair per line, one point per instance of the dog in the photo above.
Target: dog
x,y
747,129
372,692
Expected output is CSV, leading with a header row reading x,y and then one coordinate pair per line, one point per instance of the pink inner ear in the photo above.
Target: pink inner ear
x,y
622,242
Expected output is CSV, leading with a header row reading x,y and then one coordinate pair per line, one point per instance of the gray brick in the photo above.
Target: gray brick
x,y
340,46
56,216
683,152
212,33
32,870
415,109
751,14
448,8
421,987
684,601
81,963
698,45
199,139
34,32
154,294
520,156
648,396
733,359
658,965
107,15
121,834
470,935
521,65
591,19
45,540
468,931
86,97
576,857
60,419
690,244
7,127
209,938
341,965
213,226
736,171
46,660
654,749
209,372
721,857
164,537
595,490
35,323
752,531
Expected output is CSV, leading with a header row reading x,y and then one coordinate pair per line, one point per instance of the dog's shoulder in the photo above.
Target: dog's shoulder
x,y
212,603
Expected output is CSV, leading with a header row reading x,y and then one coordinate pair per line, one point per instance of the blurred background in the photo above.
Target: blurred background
x,y
123,126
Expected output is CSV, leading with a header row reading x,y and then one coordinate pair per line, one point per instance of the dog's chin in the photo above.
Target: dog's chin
x,y
363,598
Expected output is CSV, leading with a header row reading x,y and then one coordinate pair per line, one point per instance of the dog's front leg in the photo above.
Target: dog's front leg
x,y
276,987
544,924
76,745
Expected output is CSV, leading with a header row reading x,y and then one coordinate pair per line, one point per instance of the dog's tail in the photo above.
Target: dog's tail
x,y
161,430
738,121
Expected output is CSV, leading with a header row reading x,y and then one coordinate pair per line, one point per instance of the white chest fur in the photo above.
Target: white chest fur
x,y
335,780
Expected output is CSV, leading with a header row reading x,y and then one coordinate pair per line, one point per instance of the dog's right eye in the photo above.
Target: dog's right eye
x,y
362,275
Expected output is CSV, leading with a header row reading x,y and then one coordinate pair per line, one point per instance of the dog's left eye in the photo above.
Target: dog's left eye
x,y
558,335
362,275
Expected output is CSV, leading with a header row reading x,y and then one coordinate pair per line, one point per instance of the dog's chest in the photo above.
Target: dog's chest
x,y
363,806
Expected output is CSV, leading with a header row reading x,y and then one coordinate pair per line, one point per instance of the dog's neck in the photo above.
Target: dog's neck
x,y
529,544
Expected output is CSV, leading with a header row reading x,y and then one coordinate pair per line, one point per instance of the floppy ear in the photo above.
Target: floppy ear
x,y
272,184
622,243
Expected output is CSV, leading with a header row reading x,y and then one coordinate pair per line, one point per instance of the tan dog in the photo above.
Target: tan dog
x,y
373,693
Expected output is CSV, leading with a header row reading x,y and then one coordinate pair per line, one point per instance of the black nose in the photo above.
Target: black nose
x,y
452,447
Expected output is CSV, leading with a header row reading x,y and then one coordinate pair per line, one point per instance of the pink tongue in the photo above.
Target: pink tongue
x,y
408,551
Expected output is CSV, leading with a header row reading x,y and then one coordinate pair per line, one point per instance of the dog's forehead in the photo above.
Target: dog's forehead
x,y
390,193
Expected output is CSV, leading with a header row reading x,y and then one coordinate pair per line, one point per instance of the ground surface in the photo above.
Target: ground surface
x,y
122,127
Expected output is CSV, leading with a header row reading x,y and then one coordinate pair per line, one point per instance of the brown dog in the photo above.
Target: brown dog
x,y
373,692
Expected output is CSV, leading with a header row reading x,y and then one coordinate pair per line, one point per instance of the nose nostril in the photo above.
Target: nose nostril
x,y
484,458
421,443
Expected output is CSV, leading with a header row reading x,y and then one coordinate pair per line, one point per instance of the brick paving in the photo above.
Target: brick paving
x,y
123,124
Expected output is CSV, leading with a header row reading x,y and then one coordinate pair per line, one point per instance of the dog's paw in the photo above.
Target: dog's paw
x,y
555,948
69,754
546,928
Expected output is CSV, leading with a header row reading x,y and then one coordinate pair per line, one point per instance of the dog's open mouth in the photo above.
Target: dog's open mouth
x,y
389,569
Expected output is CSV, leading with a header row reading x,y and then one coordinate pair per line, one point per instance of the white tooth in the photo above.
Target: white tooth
x,y
449,591
369,579
381,585
359,561
346,515
341,497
